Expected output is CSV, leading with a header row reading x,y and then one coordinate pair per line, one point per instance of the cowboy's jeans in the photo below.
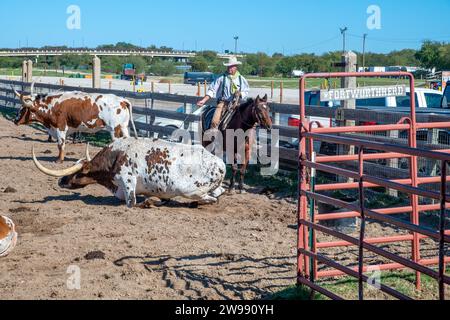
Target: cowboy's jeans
x,y
217,115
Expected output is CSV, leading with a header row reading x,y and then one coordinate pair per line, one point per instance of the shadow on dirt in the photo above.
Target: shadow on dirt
x,y
43,159
220,276
110,201
86,199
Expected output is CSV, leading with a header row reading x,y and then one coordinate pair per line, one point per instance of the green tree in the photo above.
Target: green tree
x,y
260,64
429,55
162,68
285,66
199,64
10,62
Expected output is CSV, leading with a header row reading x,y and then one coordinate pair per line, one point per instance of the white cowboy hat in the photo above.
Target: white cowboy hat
x,y
8,236
232,61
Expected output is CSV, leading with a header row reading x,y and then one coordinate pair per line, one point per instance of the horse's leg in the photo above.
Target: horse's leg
x,y
233,177
244,166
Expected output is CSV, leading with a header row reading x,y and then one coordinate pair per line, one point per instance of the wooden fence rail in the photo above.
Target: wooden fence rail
x,y
146,103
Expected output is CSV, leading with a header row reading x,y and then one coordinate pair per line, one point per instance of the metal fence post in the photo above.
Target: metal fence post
x,y
272,85
433,139
276,121
146,118
393,163
187,111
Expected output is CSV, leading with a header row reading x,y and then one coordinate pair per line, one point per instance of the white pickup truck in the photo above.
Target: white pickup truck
x,y
446,98
426,99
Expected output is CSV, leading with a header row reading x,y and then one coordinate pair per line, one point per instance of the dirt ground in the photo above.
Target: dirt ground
x,y
241,248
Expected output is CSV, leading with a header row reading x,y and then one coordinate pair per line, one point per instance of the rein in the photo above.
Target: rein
x,y
255,115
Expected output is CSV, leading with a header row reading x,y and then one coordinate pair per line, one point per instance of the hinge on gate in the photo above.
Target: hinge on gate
x,y
307,176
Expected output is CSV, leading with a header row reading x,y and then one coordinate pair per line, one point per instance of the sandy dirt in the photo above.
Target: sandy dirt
x,y
241,248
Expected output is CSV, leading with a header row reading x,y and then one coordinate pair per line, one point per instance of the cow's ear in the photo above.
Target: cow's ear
x,y
265,98
87,167
258,99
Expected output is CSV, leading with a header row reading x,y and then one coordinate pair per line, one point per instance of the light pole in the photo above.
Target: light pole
x,y
236,44
343,31
364,51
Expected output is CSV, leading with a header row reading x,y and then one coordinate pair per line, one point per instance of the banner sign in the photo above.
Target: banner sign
x,y
363,93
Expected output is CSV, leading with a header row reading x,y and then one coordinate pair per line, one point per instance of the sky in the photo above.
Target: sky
x,y
284,26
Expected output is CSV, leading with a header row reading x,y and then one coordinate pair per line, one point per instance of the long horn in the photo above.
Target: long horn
x,y
88,156
32,87
21,97
57,173
16,92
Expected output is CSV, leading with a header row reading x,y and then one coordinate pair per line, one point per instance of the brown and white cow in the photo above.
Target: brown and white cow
x,y
8,236
148,167
65,113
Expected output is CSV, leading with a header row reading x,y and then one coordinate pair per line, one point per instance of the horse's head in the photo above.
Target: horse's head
x,y
262,113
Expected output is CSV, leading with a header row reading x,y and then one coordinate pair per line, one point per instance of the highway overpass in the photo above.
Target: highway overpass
x,y
99,53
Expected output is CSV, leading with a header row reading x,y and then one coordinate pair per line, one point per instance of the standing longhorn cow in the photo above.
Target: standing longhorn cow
x,y
148,167
69,112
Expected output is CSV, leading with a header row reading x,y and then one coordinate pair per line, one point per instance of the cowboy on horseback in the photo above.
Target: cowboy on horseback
x,y
229,89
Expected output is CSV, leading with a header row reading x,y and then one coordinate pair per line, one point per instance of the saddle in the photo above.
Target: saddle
x,y
207,117
228,113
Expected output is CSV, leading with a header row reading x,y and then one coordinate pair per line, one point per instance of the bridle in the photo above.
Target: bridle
x,y
255,115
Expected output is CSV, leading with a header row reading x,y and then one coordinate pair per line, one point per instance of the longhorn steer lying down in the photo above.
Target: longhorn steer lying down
x,y
69,112
148,167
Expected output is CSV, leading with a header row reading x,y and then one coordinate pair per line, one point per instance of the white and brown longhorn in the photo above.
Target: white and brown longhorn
x,y
150,168
8,236
69,112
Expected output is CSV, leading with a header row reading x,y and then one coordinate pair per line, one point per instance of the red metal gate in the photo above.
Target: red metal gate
x,y
309,220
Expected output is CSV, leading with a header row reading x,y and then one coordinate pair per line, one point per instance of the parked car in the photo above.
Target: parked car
x,y
445,103
312,98
198,77
427,101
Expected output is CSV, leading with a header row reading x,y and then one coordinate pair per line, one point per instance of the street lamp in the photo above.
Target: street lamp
x,y
236,44
343,31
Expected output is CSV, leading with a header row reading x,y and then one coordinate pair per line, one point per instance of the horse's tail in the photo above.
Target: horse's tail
x,y
130,109
200,130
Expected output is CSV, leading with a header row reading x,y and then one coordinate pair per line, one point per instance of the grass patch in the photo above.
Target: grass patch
x,y
8,113
285,184
347,287
402,281
295,293
100,139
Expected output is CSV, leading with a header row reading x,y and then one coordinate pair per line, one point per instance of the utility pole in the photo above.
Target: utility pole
x,y
343,31
364,51
236,44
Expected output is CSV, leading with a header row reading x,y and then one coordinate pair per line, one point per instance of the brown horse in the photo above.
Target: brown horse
x,y
247,116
